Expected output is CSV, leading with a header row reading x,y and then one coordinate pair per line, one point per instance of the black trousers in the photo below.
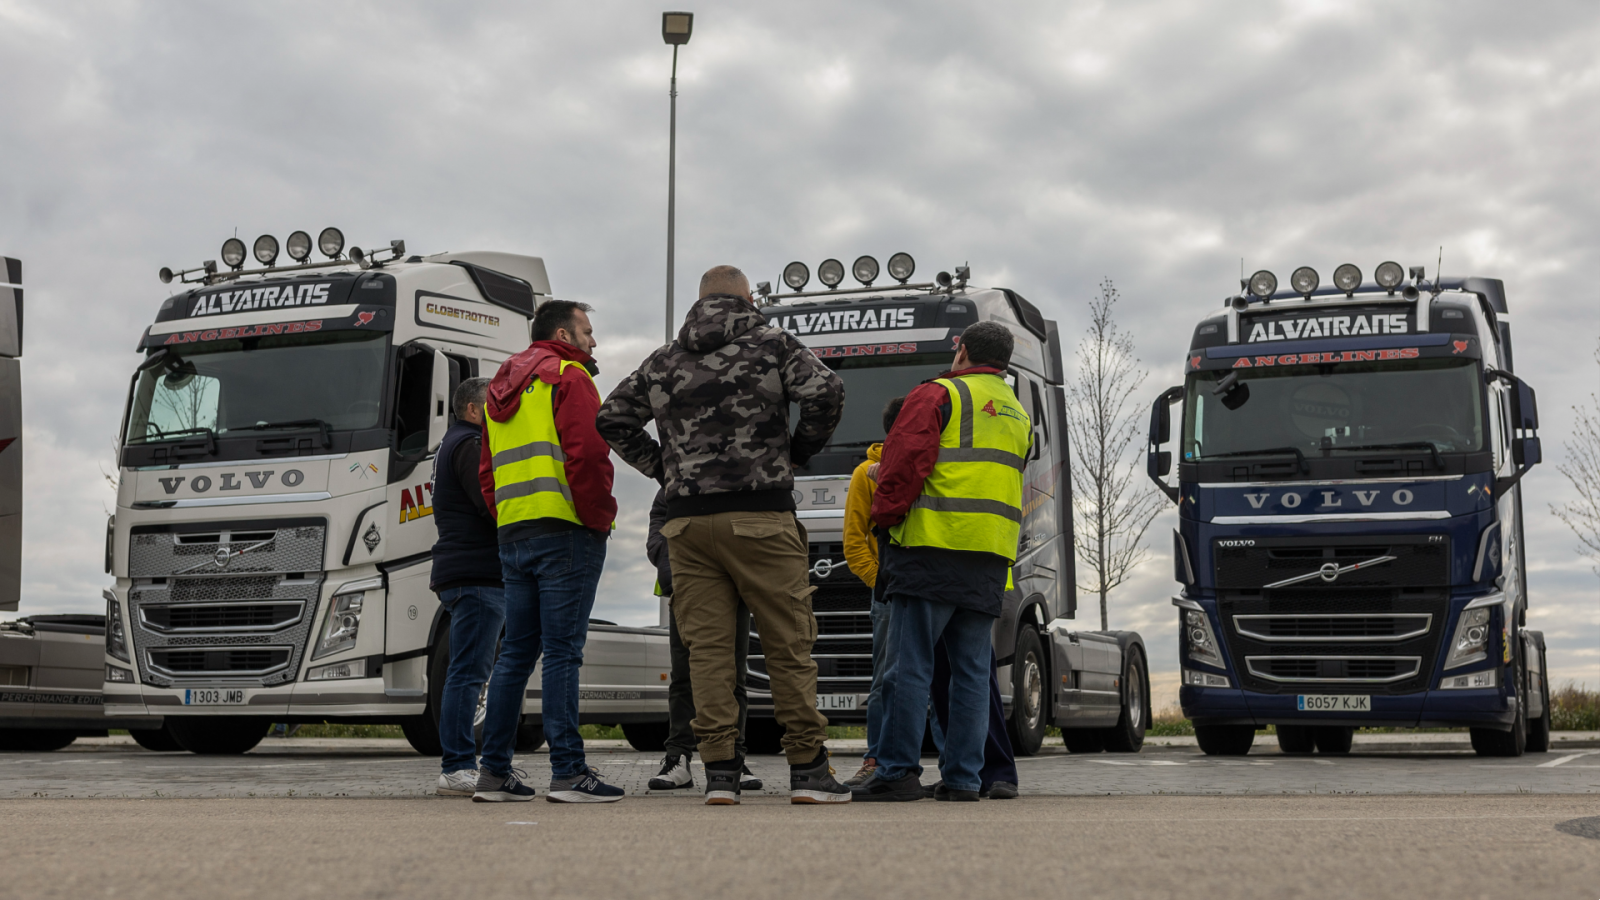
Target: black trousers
x,y
680,695
999,761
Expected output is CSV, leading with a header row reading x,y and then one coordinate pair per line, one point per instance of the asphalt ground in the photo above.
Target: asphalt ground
x,y
1455,847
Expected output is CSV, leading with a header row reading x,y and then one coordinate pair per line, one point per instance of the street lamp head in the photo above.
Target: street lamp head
x,y
676,27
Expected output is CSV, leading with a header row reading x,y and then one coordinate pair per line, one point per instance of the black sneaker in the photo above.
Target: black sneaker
x,y
507,788
942,791
815,783
674,774
1000,790
748,780
902,790
585,788
722,786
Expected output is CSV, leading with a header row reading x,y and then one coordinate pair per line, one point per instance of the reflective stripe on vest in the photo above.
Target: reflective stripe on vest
x,y
972,500
530,473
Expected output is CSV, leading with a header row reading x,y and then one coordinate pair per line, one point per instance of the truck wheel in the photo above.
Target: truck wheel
x,y
36,740
762,737
1027,694
530,737
1084,740
1333,739
218,735
646,737
422,732
159,740
1127,736
1296,739
1539,729
1225,740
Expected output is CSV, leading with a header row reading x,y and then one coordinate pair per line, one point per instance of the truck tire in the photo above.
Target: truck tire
x,y
1539,729
1225,740
646,737
1333,739
218,735
1027,722
422,733
158,740
762,737
1127,736
36,740
1494,742
530,737
1084,740
1296,739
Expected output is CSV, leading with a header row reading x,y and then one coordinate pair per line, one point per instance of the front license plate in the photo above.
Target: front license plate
x,y
836,702
1335,703
213,697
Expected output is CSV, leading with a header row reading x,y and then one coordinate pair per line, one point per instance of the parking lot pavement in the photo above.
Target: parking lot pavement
x,y
1155,847
293,767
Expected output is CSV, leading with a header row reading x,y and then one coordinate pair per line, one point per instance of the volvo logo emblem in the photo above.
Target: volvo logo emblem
x,y
1329,571
223,555
824,567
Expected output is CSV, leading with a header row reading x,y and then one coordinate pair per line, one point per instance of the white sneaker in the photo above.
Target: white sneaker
x,y
460,783
674,774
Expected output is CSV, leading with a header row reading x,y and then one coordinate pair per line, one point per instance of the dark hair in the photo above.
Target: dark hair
x,y
891,411
470,391
988,344
554,315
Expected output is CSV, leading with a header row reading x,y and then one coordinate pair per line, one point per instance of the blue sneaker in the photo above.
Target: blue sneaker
x,y
507,788
582,788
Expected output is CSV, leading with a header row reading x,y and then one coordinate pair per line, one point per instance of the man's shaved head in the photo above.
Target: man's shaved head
x,y
724,280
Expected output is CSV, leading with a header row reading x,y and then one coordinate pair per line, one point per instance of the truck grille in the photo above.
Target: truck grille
x,y
224,601
1379,626
843,651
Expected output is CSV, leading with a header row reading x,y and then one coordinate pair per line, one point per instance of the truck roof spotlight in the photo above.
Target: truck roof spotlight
x,y
331,242
298,246
830,273
1263,285
233,253
266,249
1347,278
901,265
796,275
865,270
1304,280
1388,275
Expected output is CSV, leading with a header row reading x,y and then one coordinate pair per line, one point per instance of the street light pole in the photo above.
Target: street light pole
x,y
675,30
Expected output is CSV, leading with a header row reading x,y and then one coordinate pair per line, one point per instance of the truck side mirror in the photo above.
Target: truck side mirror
x,y
1527,407
439,421
1158,462
1527,452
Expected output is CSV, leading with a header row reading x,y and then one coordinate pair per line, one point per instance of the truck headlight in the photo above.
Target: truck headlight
x,y
1202,640
1205,679
118,674
1470,643
340,628
355,668
116,636
1488,678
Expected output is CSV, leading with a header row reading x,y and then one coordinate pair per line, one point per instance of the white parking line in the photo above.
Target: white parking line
x,y
1563,760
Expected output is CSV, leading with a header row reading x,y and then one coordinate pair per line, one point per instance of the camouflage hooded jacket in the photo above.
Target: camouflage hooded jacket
x,y
719,396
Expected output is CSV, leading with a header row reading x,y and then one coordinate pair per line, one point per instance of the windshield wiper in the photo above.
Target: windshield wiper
x,y
319,424
1411,445
1299,458
165,436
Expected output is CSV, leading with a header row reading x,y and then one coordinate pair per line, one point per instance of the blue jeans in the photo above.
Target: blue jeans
x,y
550,584
880,663
476,617
915,625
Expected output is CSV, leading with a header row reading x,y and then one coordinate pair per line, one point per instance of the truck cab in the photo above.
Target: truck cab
x,y
883,342
1350,541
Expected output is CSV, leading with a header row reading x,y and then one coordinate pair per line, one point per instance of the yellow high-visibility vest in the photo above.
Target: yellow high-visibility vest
x,y
530,472
973,498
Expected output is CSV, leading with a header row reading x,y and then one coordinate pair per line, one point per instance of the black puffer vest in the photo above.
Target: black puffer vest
x,y
467,550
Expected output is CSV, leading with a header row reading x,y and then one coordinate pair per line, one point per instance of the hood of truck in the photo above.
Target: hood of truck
x,y
222,484
1286,503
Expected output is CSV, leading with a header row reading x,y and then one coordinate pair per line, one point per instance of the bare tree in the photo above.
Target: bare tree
x,y
1112,504
1582,469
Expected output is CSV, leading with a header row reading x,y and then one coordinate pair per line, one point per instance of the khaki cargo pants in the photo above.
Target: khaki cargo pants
x,y
760,558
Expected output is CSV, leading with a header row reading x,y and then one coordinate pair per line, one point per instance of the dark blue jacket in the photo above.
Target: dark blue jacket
x,y
468,550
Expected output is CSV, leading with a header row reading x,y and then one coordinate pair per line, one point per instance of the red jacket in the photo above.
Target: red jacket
x,y
912,447
577,401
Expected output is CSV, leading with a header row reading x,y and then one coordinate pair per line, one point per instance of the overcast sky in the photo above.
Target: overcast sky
x,y
1049,144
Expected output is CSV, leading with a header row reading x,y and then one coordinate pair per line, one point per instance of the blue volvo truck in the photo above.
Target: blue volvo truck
x,y
1350,538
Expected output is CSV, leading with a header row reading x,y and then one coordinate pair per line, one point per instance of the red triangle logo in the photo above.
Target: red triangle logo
x,y
989,408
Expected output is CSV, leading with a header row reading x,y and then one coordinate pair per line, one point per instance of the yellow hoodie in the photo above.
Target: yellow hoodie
x,y
860,547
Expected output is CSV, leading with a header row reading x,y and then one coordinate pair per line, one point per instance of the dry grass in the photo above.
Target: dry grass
x,y
1574,707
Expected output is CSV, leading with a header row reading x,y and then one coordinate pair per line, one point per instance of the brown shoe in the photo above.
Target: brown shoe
x,y
868,766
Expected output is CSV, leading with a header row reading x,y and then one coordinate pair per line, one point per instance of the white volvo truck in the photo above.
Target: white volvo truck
x,y
272,538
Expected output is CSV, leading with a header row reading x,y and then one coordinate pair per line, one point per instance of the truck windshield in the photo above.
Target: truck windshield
x,y
869,384
239,386
1417,402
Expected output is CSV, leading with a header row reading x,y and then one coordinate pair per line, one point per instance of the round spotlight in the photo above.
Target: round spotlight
x,y
865,270
331,242
233,253
830,273
266,249
298,246
901,265
796,275
1263,285
1388,275
1304,280
1347,278
165,275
